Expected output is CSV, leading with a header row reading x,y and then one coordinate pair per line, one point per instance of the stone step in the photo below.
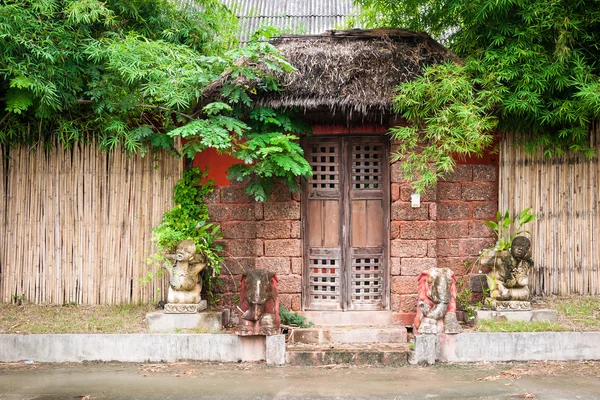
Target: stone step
x,y
348,318
348,334
348,354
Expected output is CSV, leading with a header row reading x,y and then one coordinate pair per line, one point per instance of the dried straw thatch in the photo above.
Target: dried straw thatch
x,y
352,72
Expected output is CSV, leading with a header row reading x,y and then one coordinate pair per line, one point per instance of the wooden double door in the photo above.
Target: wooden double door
x,y
345,209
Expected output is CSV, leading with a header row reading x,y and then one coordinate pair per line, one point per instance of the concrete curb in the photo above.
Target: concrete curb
x,y
142,348
517,346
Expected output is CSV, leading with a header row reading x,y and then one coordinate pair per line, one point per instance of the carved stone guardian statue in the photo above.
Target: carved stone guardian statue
x,y
259,304
508,280
185,284
436,310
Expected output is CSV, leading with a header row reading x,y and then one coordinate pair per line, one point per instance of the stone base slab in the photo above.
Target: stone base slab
x,y
208,321
527,316
142,348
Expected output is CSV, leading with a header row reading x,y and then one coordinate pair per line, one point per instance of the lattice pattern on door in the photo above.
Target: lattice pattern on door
x,y
324,280
324,160
367,170
367,281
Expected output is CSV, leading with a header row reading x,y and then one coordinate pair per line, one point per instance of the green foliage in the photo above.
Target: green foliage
x,y
134,73
188,220
448,118
534,66
293,319
507,228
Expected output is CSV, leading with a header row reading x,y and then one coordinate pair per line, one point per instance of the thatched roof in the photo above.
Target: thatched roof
x,y
351,72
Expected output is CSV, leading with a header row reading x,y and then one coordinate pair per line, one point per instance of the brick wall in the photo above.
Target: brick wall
x,y
259,235
446,231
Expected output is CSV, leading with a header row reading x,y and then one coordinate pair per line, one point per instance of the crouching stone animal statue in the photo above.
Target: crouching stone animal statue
x,y
185,283
436,310
259,304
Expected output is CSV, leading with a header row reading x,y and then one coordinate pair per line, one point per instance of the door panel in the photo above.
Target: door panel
x,y
346,224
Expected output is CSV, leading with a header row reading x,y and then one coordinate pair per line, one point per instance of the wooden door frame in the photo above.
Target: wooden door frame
x,y
345,198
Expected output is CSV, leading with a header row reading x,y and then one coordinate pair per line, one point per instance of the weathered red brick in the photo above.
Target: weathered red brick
x,y
456,264
290,301
279,265
406,190
404,284
285,300
280,193
406,319
235,194
480,191
414,266
433,211
485,173
235,212
474,247
283,247
214,196
282,210
478,230
409,248
449,190
395,302
274,229
453,211
289,284
432,248
395,230
485,210
461,173
395,263
296,231
396,172
296,302
243,247
408,303
452,230
297,265
448,247
227,300
237,265
418,230
402,211
395,191
239,229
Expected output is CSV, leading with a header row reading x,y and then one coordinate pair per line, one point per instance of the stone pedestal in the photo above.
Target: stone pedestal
x,y
511,305
525,315
183,308
208,321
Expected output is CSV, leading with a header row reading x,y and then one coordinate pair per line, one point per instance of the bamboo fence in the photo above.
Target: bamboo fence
x,y
564,193
76,225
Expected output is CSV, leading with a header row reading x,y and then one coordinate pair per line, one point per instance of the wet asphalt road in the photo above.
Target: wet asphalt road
x,y
258,381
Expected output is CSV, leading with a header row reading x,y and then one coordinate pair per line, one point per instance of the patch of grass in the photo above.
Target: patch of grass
x,y
29,318
519,326
578,312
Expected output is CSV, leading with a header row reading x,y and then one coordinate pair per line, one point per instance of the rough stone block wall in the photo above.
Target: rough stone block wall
x,y
446,231
259,235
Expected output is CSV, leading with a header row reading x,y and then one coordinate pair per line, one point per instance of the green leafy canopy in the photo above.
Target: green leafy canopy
x,y
132,73
531,67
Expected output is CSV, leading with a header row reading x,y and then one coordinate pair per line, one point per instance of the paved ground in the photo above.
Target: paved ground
x,y
539,380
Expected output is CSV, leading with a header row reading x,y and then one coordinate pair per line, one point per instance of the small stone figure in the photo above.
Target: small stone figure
x,y
185,283
508,280
259,304
436,310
